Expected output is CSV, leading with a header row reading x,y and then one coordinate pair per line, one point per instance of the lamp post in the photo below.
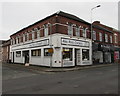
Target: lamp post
x,y
92,18
91,26
50,43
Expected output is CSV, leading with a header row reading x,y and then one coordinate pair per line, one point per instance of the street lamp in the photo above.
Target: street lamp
x,y
91,26
92,18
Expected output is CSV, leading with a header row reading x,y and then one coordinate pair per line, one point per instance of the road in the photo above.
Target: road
x,y
102,80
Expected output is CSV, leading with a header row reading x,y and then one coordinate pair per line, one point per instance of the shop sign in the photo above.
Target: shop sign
x,y
40,43
116,55
32,44
50,50
75,42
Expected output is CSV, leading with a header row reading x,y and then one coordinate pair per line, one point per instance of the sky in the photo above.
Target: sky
x,y
17,15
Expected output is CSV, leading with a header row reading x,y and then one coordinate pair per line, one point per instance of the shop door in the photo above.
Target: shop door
x,y
13,57
26,56
77,56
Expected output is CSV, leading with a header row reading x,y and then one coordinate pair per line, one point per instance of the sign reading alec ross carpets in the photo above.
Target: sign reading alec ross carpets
x,y
32,44
75,42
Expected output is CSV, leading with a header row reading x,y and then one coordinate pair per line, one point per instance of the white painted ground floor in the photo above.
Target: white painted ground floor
x,y
56,50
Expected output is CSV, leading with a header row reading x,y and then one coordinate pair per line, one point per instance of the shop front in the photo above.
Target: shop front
x,y
55,51
117,55
103,53
108,53
75,52
97,56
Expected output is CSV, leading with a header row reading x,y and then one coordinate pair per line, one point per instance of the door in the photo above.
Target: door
x,y
26,56
77,56
13,57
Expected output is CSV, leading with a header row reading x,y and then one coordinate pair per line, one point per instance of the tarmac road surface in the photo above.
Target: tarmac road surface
x,y
100,80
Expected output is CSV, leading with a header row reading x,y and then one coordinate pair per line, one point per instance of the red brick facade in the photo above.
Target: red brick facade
x,y
59,22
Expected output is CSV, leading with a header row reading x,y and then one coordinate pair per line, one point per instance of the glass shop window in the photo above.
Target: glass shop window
x,y
48,51
36,52
18,53
67,54
85,54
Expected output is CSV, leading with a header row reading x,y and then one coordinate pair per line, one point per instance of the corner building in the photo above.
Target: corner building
x,y
59,40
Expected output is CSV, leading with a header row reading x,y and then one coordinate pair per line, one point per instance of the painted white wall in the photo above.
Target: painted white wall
x,y
57,55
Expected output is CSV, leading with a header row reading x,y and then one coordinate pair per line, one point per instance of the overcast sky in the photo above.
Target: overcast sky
x,y
17,15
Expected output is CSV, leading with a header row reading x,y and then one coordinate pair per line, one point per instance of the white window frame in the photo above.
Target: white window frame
x,y
46,30
70,29
111,39
100,36
106,37
94,35
116,38
77,29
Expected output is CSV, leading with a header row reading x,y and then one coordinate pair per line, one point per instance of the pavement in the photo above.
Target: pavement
x,y
48,69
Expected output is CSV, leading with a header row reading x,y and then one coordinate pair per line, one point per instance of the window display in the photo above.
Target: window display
x,y
36,52
18,53
67,54
85,54
48,52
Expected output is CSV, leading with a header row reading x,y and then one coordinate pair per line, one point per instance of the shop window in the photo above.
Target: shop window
x,y
67,54
36,52
85,54
48,51
18,53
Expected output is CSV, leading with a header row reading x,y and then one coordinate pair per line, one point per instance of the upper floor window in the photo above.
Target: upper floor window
x,y
26,37
12,41
18,39
116,38
70,29
84,32
106,38
30,36
100,36
21,38
110,39
46,30
15,41
77,32
94,35
35,34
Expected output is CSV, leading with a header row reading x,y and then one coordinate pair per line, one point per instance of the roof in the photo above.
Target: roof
x,y
6,43
102,28
60,13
